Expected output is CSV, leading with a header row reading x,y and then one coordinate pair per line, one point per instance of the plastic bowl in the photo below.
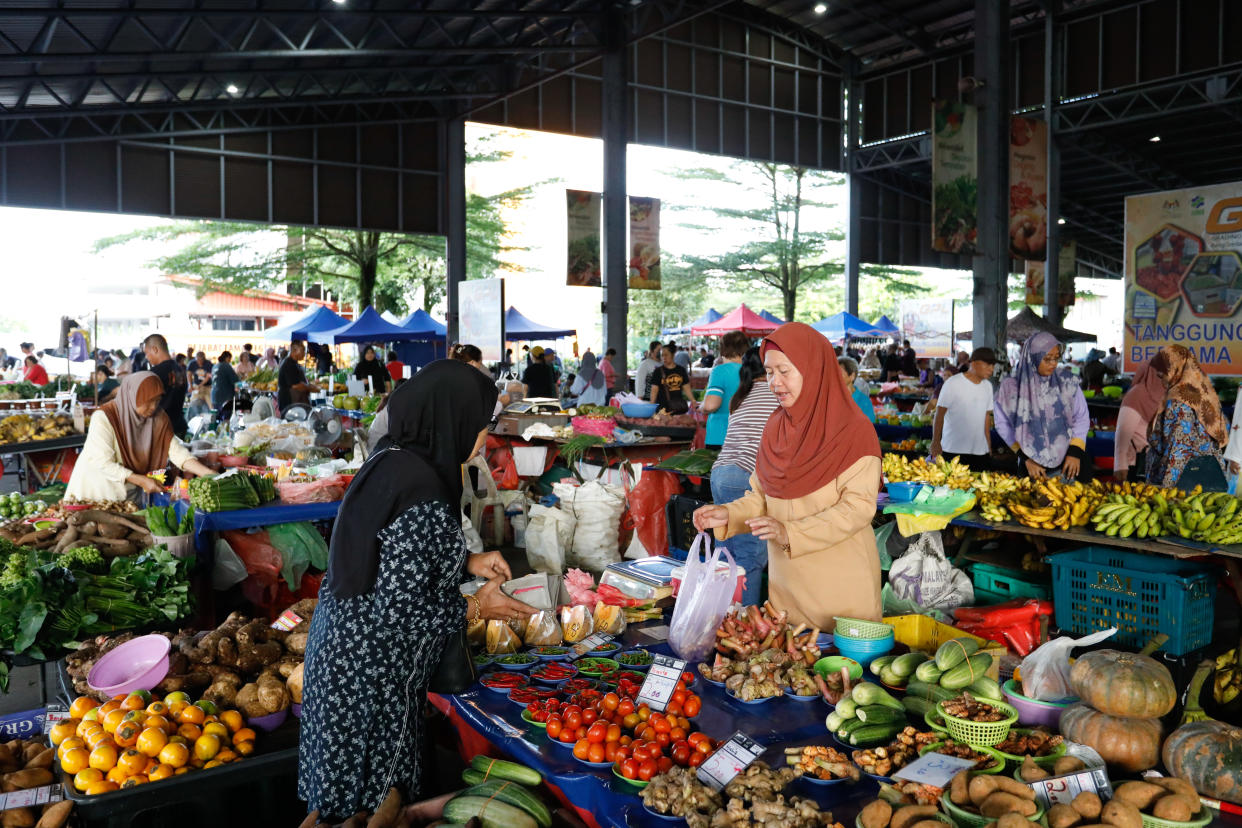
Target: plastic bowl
x,y
998,760
639,411
903,492
135,665
832,664
1032,711
233,461
296,710
269,722
863,650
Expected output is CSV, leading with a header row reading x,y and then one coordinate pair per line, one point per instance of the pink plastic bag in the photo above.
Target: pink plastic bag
x,y
325,490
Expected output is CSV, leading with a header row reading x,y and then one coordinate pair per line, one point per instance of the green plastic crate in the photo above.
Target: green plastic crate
x,y
998,584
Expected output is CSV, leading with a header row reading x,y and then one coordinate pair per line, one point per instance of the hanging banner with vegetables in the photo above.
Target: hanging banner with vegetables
x,y
955,178
928,324
644,243
1028,188
1067,267
1183,274
582,214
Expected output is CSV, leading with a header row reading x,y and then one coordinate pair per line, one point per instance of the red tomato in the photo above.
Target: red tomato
x,y
664,763
626,707
647,769
589,715
674,709
596,752
573,718
692,706
580,748
661,725
697,758
704,747
581,732
663,739
695,738
677,734
597,733
679,697
639,751
630,721
681,753
567,736
688,678
610,751
614,733
554,726
623,753
629,769
611,702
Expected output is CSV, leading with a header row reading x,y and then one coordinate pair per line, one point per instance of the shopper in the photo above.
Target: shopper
x,y
291,384
849,372
395,368
105,384
813,494
269,360
1094,371
128,438
610,371
670,384
1189,423
223,385
155,349
963,424
540,377
892,363
369,367
871,360
245,365
722,384
642,377
1113,361
35,373
200,370
681,357
1138,408
750,408
7,362
589,387
909,364
391,596
706,360
1042,415
323,360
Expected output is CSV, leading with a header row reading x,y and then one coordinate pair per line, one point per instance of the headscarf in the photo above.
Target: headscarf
x,y
590,374
1040,408
807,446
142,441
1146,393
433,421
1094,355
1188,384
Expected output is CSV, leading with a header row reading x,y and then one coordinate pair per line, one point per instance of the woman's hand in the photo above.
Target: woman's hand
x,y
1034,470
769,529
710,517
145,483
488,565
1234,468
494,605
1069,469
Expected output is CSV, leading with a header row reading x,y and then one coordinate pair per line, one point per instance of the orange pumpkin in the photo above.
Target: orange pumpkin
x,y
1208,755
1128,745
1124,684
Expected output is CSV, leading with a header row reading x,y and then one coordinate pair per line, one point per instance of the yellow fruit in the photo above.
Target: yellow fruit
x,y
216,729
86,726
108,706
160,723
175,754
103,787
206,747
175,708
103,757
180,771
157,709
127,734
177,696
132,762
191,714
117,775
190,731
113,720
81,705
152,741
63,730
96,738
75,760
214,763
160,771
83,779
233,719
244,748
133,702
135,781
244,735
226,755
69,744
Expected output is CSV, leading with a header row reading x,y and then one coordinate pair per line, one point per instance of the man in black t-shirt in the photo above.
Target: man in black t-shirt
x,y
540,377
670,385
155,349
291,384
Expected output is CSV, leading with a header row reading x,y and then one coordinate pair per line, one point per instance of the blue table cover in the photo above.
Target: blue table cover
x,y
207,522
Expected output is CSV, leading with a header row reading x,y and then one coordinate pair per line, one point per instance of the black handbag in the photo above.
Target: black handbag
x,y
455,671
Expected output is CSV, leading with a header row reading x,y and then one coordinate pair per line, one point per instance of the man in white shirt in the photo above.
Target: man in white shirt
x,y
1113,361
650,362
963,425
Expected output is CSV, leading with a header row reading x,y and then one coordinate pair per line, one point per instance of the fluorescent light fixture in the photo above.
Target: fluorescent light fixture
x,y
232,89
1155,139
821,8
1060,221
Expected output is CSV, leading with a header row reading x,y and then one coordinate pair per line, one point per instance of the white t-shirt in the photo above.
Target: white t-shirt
x,y
642,375
966,407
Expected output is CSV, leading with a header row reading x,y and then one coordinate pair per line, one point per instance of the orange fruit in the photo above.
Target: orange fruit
x,y
160,771
175,754
157,708
226,755
96,738
127,734
132,762
108,707
175,708
206,747
113,720
152,764
216,729
71,742
177,696
160,723
80,705
86,726
83,779
151,741
75,760
133,702
138,716
180,771
191,715
177,738
103,757
135,781
214,763
63,730
106,786
190,731
117,775
244,735
233,719
244,748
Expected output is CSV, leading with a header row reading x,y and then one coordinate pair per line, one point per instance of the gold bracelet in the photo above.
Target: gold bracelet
x,y
478,609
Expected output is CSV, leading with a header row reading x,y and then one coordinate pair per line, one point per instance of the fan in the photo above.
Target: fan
x,y
325,424
296,413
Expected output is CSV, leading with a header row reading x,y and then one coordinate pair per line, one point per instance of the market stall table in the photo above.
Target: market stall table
x,y
206,523
29,476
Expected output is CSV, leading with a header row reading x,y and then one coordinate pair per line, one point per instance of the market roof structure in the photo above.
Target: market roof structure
x,y
520,329
741,319
771,317
316,319
708,317
1026,323
885,325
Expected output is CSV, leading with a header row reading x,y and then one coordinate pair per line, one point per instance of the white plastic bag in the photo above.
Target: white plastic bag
x,y
597,508
702,601
548,536
228,568
924,575
1046,672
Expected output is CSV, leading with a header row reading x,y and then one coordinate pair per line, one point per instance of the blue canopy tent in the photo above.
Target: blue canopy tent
x,y
843,324
771,317
318,318
368,327
430,343
886,326
712,315
422,322
520,329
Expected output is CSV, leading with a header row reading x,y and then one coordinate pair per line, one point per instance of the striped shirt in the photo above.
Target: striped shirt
x,y
746,425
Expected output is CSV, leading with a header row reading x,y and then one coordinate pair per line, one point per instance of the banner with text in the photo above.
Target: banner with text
x,y
928,324
1067,267
482,317
1183,274
955,177
582,214
1028,188
644,268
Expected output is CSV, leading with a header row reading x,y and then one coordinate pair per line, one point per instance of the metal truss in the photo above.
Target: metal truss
x,y
911,149
1124,106
1097,264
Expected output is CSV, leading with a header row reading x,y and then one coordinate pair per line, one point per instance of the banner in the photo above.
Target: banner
x,y
644,243
582,215
481,321
928,324
1028,188
955,177
1183,274
1067,268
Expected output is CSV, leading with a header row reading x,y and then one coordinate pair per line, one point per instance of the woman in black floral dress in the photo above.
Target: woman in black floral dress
x,y
392,594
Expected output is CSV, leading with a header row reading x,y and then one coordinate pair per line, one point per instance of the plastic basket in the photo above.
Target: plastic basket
x,y
979,734
1050,759
922,632
1002,584
858,628
967,819
902,492
863,650
1095,588
998,759
1205,816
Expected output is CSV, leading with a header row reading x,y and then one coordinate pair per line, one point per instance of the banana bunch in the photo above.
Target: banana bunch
x,y
1227,677
1121,516
998,483
901,469
1132,488
1208,517
1053,504
992,507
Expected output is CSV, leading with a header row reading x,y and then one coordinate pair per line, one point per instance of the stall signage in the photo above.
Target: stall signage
x,y
587,644
32,797
729,760
287,621
1063,789
54,714
935,769
661,682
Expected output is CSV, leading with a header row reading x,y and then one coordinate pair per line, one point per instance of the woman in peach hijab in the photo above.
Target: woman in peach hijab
x,y
813,494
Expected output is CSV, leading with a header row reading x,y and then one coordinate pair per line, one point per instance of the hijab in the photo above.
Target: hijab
x,y
1188,384
142,441
433,420
1146,393
807,446
1041,409
591,374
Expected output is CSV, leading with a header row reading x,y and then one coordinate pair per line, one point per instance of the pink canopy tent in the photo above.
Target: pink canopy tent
x,y
743,319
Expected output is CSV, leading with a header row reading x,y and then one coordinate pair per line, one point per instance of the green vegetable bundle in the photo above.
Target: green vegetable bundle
x,y
230,491
163,521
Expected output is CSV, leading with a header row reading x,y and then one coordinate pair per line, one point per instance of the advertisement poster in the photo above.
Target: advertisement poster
x,y
928,324
1067,267
955,177
482,318
1183,275
644,270
582,216
1028,188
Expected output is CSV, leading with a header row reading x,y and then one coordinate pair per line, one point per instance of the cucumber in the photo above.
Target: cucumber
x,y
867,693
892,679
928,692
967,673
473,777
905,665
954,651
881,714
492,813
845,708
849,726
516,795
880,663
986,688
870,734
501,769
928,672
916,706
834,721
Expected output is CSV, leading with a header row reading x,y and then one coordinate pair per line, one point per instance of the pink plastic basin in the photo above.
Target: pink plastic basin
x,y
135,665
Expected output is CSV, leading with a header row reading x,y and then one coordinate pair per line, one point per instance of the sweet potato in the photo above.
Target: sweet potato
x,y
1122,814
1013,786
1031,772
1088,804
981,787
876,814
29,751
1173,807
1013,821
43,759
959,789
928,823
1063,816
1067,764
18,818
56,814
271,692
1177,786
23,779
910,814
294,686
1141,795
1000,803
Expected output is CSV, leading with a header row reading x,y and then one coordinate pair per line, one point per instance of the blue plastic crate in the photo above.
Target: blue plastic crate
x,y
1095,588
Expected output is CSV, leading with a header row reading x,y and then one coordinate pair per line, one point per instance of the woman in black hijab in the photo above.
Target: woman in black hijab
x,y
392,595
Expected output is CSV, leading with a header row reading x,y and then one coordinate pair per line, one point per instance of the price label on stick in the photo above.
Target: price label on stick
x,y
729,760
588,644
661,682
54,713
287,621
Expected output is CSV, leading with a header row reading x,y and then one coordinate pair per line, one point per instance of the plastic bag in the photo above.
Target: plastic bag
x,y
300,547
703,599
580,587
474,542
597,508
576,623
924,575
609,619
228,569
548,536
542,630
501,638
1046,672
882,534
325,490
476,632
931,510
892,605
647,501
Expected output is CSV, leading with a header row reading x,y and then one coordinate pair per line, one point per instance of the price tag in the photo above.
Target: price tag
x,y
935,769
588,644
1063,789
287,621
661,682
730,759
54,713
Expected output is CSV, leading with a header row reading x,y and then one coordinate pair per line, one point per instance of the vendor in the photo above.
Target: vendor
x,y
1189,422
1138,409
129,438
670,384
1042,414
589,387
369,366
813,494
35,374
391,596
291,384
105,384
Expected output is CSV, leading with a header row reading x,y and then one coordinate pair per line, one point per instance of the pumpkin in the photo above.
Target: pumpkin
x,y
1208,755
1124,684
1128,745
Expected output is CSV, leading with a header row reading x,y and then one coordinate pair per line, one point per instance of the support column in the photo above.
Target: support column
x,y
1052,91
615,128
853,226
454,218
991,265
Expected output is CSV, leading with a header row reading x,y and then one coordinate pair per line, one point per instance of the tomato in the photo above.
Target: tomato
x,y
647,734
596,752
663,739
688,678
540,716
611,702
664,763
589,715
554,727
662,725
610,751
597,733
644,713
683,723
580,748
629,769
581,732
692,706
647,769
681,753
640,752
679,697
573,718
567,737
677,734
673,709
623,753
630,721
626,707
614,733
705,747
697,758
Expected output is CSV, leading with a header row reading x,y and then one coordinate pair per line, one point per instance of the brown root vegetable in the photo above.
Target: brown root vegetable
x,y
1031,771
224,690
117,549
926,823
294,685
1013,786
981,787
1122,814
56,814
43,759
959,789
1177,786
1139,794
1088,804
252,658
247,701
876,814
22,779
296,643
272,694
66,537
1000,803
1067,764
99,517
18,818
1174,807
1013,821
910,814
1063,816
29,751
113,530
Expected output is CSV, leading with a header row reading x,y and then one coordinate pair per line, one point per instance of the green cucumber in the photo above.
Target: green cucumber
x,y
881,714
867,693
986,688
519,796
892,679
834,721
501,769
845,708
905,665
848,726
954,651
880,663
967,673
928,692
871,734
492,813
916,706
928,672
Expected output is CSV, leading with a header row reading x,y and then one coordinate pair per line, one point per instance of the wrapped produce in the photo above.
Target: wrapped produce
x,y
542,630
501,638
576,623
